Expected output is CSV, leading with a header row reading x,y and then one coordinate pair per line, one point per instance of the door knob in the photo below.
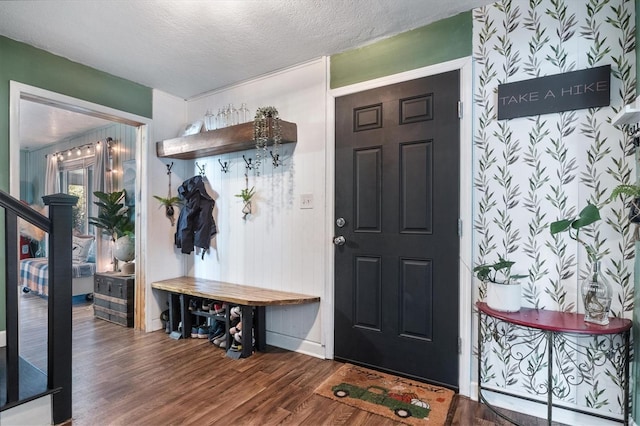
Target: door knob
x,y
339,240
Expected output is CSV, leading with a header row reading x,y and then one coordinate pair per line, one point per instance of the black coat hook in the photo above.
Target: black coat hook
x,y
225,166
201,169
249,165
276,159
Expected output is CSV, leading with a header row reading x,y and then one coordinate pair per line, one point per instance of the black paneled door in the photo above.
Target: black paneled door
x,y
397,183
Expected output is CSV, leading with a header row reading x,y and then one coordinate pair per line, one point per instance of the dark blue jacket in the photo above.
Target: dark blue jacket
x,y
195,226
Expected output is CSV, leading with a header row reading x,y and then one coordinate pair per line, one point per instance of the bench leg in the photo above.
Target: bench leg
x,y
247,323
174,311
259,328
185,316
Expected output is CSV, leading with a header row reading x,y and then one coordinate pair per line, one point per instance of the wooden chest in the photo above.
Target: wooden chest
x,y
113,298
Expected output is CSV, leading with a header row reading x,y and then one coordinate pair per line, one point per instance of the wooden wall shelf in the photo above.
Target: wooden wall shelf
x,y
219,141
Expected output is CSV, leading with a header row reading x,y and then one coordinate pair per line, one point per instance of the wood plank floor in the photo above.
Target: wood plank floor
x,y
127,377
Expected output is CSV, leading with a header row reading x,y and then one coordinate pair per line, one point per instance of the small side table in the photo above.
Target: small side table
x,y
551,329
113,297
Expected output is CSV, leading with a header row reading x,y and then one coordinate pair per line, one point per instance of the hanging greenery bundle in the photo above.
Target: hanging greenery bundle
x,y
266,127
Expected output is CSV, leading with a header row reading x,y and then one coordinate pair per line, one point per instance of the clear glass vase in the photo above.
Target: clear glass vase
x,y
209,120
596,295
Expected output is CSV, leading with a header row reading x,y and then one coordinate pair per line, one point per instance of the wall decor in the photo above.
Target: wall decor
x,y
555,93
169,202
533,171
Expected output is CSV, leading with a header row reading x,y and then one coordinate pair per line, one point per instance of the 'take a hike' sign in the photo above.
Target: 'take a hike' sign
x,y
555,93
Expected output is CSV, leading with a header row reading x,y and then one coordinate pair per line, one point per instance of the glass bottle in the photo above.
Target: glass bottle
x,y
233,115
596,296
244,113
220,119
209,120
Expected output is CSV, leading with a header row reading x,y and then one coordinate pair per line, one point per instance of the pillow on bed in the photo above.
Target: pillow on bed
x,y
80,247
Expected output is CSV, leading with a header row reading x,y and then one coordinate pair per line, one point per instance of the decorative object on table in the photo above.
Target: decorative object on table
x,y
631,192
192,129
503,288
399,399
195,226
170,202
595,290
113,217
124,249
266,129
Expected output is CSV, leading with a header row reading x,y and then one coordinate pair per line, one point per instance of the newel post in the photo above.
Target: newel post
x,y
60,325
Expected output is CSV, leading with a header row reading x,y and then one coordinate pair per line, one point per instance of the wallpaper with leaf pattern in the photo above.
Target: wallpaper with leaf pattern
x,y
531,171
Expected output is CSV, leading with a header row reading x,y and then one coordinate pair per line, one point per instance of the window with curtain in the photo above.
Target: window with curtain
x,y
76,178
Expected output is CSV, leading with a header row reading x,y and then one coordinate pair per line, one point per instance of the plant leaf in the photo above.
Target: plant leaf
x,y
559,226
588,215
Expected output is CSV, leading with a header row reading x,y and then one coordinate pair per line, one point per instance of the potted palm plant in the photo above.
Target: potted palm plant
x,y
113,218
595,290
503,288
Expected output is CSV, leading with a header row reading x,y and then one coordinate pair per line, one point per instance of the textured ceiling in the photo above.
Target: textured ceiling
x,y
190,47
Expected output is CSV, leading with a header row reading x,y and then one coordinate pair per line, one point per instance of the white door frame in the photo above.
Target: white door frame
x,y
466,188
19,91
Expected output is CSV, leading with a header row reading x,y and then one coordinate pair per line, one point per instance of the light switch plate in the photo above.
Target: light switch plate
x,y
306,201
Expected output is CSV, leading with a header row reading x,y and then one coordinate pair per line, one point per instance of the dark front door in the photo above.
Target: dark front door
x,y
396,275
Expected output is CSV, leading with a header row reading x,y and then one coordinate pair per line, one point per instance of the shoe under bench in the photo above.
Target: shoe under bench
x,y
252,301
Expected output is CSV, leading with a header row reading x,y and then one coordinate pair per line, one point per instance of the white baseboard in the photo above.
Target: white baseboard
x,y
540,410
473,391
33,413
3,339
296,345
156,324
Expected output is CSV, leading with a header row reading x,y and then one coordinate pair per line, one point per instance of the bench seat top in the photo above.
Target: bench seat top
x,y
232,293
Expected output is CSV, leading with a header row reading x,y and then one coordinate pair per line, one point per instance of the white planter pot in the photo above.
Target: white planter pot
x,y
503,297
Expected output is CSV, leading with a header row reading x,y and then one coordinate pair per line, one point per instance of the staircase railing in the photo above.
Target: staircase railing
x,y
59,227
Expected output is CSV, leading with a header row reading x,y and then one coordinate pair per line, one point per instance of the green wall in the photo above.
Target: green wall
x,y
410,50
26,64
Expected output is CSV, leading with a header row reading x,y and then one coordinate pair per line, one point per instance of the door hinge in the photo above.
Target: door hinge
x,y
459,346
459,227
459,109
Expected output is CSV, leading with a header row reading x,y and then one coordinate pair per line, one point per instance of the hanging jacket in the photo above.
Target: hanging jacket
x,y
195,224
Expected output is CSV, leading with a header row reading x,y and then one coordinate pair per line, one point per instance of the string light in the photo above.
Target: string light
x,y
59,156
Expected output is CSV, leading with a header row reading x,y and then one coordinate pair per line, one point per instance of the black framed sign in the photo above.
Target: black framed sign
x,y
555,93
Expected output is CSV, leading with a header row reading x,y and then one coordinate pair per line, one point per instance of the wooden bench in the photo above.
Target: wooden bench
x,y
252,301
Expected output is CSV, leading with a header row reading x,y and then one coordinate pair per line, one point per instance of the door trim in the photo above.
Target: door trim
x,y
19,90
466,213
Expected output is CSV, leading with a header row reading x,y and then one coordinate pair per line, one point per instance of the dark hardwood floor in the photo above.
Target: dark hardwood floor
x,y
127,377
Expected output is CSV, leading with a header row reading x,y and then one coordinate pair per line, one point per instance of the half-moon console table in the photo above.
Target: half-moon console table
x,y
551,330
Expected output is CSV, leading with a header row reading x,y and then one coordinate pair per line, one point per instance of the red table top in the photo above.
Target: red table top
x,y
556,321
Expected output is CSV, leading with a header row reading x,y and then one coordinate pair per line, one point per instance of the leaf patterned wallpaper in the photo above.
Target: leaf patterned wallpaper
x,y
532,171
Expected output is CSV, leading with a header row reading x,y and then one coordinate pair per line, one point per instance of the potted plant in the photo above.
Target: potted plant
x,y
503,288
169,203
246,195
594,289
113,219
